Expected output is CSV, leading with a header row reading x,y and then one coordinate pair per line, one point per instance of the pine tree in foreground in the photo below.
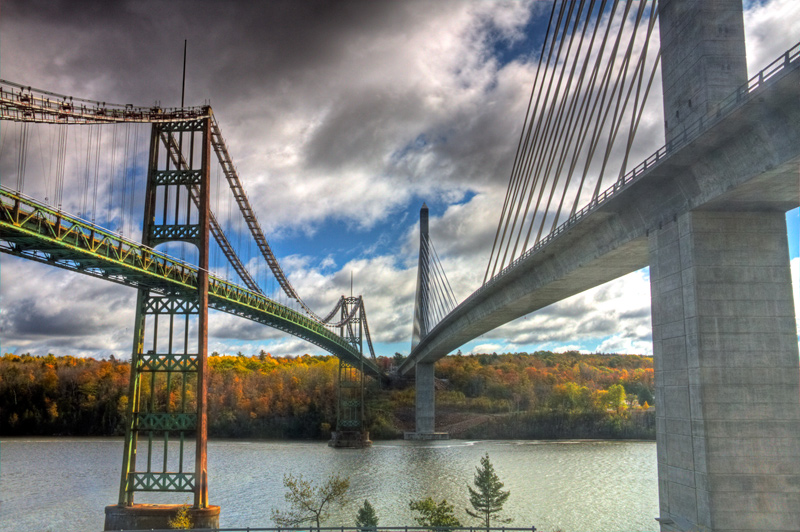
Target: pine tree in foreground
x,y
366,518
488,497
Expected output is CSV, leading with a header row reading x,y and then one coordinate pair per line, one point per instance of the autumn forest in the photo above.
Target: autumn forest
x,y
541,395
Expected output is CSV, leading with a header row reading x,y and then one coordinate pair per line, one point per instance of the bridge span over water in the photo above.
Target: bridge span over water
x,y
166,422
742,158
706,213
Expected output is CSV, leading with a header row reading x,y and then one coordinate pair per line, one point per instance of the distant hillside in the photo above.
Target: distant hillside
x,y
539,395
542,395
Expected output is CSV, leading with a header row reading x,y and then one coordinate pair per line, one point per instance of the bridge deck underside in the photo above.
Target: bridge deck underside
x,y
749,161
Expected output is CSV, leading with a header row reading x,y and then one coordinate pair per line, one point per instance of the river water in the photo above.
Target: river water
x,y
62,485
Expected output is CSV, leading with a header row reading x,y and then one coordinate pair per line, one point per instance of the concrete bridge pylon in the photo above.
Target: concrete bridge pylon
x,y
423,373
724,330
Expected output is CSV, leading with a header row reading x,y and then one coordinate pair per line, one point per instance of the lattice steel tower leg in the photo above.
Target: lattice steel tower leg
x,y
167,395
350,416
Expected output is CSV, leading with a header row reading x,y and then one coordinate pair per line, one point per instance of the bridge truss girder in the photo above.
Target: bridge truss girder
x,y
34,231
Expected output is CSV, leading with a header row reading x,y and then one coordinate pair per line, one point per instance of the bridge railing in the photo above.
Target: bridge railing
x,y
787,61
23,211
367,529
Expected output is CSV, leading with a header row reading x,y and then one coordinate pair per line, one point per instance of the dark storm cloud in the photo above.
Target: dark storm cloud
x,y
309,94
45,309
26,319
236,48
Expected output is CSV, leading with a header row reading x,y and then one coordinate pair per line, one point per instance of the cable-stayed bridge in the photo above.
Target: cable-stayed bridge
x,y
706,213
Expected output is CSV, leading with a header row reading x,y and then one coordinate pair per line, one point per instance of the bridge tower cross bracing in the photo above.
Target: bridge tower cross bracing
x,y
724,329
350,415
157,456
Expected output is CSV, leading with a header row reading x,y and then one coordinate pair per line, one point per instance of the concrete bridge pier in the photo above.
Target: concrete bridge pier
x,y
425,399
425,405
724,330
727,373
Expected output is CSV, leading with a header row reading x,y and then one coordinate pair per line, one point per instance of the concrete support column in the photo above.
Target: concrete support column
x,y
426,399
727,373
702,58
426,406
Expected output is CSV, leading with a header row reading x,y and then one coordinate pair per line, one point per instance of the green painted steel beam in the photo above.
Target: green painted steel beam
x,y
35,231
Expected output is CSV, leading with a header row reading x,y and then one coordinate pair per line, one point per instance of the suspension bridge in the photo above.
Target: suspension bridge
x,y
705,212
174,293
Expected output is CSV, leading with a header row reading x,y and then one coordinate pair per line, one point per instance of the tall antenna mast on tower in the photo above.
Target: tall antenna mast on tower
x,y
183,84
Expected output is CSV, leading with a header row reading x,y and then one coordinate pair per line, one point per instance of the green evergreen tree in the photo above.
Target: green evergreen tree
x,y
488,497
366,518
434,514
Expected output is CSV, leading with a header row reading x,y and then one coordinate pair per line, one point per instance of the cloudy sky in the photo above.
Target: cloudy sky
x,y
342,118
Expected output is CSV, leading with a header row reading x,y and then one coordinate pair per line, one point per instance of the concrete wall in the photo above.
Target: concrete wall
x,y
727,373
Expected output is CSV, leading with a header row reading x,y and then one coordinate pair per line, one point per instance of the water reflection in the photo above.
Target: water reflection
x,y
63,484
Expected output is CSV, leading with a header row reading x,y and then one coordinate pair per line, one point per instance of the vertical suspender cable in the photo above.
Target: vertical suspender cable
x,y
132,195
112,175
45,174
22,157
82,212
96,170
125,172
63,137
